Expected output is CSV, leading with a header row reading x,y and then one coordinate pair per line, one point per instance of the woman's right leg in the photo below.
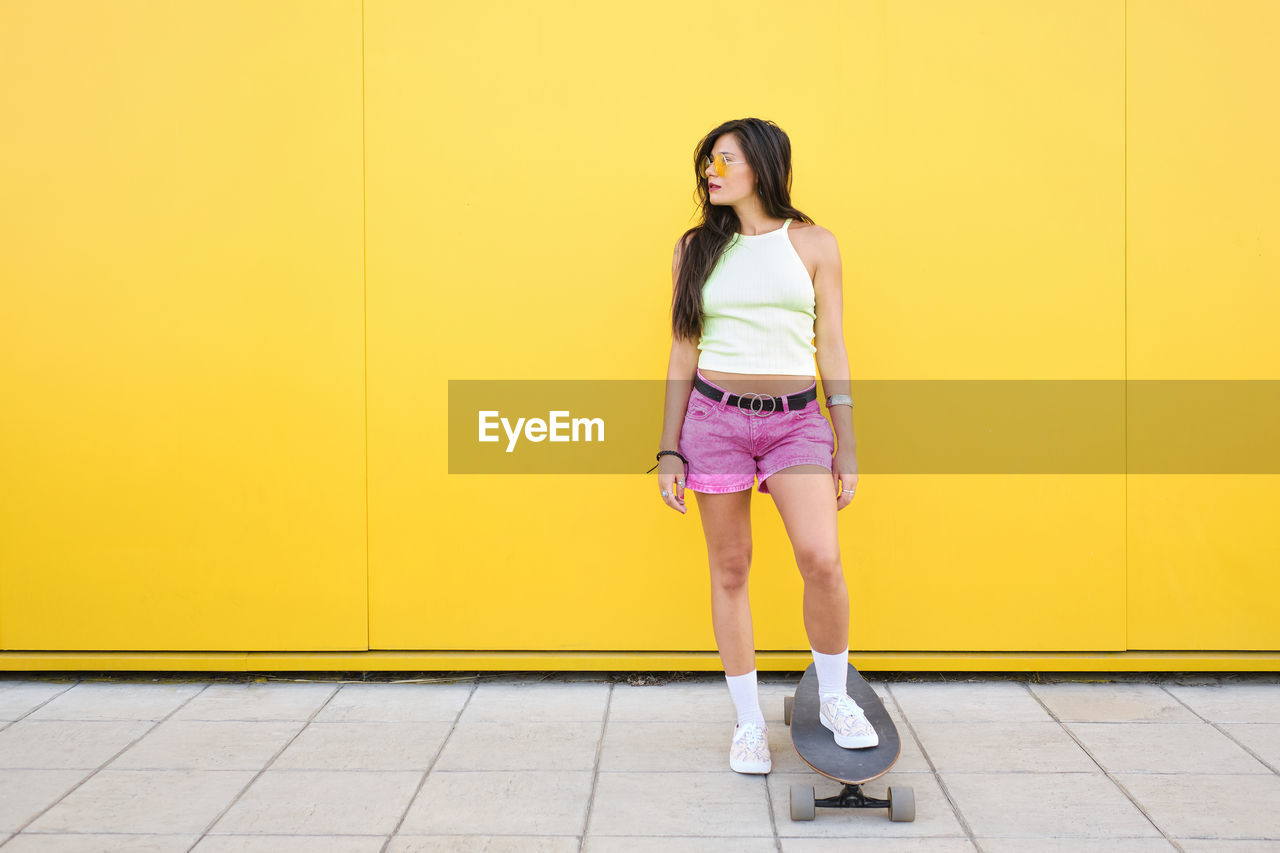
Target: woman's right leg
x,y
726,524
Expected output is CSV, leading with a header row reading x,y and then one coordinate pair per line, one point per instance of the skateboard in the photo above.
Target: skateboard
x,y
816,746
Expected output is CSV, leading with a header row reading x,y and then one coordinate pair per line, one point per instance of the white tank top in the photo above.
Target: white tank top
x,y
758,308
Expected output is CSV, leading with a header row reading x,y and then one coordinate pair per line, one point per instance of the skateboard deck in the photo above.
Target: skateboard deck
x,y
816,746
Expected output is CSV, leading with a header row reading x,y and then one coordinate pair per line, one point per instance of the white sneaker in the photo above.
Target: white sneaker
x,y
845,718
750,750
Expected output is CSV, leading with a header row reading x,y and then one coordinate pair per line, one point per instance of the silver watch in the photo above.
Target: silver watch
x,y
839,400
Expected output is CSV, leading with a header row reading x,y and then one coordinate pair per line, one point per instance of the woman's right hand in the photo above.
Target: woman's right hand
x,y
671,482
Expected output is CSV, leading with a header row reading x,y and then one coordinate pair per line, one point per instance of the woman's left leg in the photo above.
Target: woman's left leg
x,y
805,497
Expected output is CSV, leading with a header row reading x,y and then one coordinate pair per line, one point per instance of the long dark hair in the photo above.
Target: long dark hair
x,y
767,149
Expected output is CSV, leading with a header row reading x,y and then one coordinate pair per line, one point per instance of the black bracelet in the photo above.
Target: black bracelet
x,y
662,453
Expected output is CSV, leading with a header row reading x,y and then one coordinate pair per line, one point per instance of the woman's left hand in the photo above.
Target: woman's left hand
x,y
844,473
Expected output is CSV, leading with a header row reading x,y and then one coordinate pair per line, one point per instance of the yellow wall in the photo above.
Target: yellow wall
x,y
1203,237
246,245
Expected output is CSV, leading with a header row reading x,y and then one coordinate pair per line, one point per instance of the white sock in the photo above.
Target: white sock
x,y
746,697
833,672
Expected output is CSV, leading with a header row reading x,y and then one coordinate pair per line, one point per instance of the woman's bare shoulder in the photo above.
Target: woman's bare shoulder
x,y
813,243
811,231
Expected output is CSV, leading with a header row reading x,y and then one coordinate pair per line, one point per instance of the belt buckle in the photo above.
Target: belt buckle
x,y
761,411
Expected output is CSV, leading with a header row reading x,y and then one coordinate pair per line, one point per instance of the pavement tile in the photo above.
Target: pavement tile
x,y
256,702
537,703
26,793
396,703
717,804
668,844
66,744
1075,845
19,698
290,844
932,844
1262,738
1112,703
364,746
1237,703
968,702
1006,746
934,815
911,758
208,745
523,802
92,843
483,844
695,703
521,746
1037,805
1209,806
144,801
92,700
1219,845
321,802
676,746
1192,748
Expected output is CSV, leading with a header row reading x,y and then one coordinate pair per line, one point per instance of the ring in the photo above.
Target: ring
x,y
665,493
847,490
679,482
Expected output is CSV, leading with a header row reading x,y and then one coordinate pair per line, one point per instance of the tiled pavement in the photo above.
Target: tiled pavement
x,y
591,762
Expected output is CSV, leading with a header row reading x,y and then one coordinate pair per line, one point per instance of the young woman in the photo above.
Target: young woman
x,y
756,284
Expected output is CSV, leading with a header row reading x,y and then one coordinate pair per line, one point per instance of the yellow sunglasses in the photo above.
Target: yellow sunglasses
x,y
718,162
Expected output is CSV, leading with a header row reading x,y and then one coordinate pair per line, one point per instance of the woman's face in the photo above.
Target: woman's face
x,y
738,181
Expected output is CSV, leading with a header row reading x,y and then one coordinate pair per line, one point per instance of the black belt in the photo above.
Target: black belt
x,y
757,404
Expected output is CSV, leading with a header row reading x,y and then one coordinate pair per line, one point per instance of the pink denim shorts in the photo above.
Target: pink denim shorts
x,y
728,447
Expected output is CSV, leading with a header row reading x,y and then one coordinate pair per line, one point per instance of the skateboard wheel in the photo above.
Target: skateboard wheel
x,y
802,799
788,703
902,803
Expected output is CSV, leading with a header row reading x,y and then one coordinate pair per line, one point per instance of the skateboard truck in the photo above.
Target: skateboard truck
x,y
852,798
803,803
